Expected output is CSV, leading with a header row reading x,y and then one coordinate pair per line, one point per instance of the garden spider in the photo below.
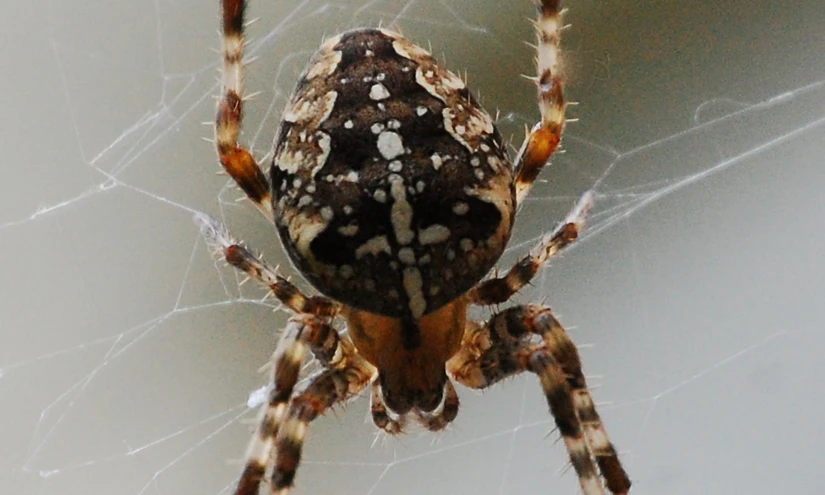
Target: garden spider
x,y
394,196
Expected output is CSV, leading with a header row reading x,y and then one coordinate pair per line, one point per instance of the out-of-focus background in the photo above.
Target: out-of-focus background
x,y
127,354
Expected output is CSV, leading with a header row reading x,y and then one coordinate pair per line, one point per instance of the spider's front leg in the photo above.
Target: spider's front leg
x,y
237,160
545,136
503,347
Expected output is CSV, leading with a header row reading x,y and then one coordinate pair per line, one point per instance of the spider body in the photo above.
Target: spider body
x,y
393,205
396,203
410,376
394,196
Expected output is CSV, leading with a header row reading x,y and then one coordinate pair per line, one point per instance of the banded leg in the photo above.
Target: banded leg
x,y
503,348
545,136
331,387
540,320
237,160
219,239
500,289
301,331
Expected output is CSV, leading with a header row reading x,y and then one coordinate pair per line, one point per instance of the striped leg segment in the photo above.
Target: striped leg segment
x,y
500,289
283,420
237,160
545,136
286,366
219,240
330,387
565,353
503,348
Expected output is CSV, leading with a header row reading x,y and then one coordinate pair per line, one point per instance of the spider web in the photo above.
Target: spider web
x,y
127,354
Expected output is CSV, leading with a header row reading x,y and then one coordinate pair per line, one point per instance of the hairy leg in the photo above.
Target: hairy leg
x,y
301,331
237,160
545,136
219,239
504,347
326,389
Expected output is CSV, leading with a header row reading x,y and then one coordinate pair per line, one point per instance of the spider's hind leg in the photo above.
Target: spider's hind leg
x,y
235,159
504,347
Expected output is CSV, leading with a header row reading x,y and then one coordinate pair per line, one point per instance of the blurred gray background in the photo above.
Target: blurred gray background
x,y
127,355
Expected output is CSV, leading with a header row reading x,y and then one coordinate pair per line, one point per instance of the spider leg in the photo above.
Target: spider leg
x,y
500,289
545,136
503,347
219,239
301,331
330,387
564,351
237,160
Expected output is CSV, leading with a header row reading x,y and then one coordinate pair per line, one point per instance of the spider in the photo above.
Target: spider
x,y
394,195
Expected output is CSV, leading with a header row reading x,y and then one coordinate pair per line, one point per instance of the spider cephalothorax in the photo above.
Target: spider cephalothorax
x,y
394,196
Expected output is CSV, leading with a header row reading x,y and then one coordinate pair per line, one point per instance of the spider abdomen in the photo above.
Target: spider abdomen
x,y
391,186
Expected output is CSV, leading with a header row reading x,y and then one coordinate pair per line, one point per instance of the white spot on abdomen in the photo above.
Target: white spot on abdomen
x,y
348,230
390,145
406,255
374,246
413,287
379,92
401,213
433,234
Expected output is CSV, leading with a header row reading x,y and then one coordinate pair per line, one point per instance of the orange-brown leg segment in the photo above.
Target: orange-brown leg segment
x,y
309,330
503,348
237,160
545,136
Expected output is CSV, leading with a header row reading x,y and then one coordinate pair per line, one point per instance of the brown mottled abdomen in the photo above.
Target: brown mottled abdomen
x,y
392,188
